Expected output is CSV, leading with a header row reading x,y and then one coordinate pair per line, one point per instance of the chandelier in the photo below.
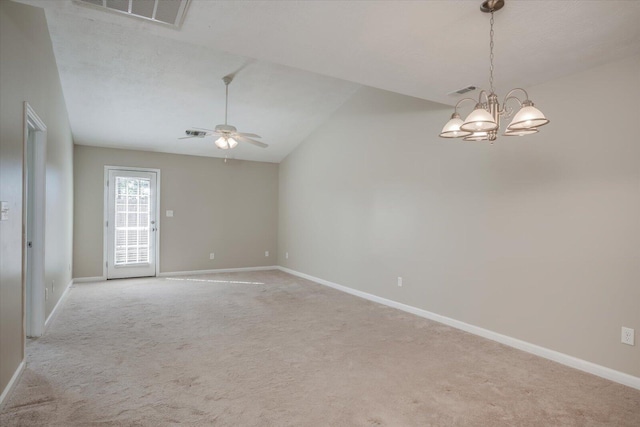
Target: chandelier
x,y
483,123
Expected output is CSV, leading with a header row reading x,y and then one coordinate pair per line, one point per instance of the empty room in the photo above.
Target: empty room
x,y
319,213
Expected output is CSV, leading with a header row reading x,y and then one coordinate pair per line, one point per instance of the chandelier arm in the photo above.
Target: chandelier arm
x,y
508,95
486,96
461,101
507,111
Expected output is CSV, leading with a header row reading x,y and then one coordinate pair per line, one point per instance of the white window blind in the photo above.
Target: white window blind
x,y
132,220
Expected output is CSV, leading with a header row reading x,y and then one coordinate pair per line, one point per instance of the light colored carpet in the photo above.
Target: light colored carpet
x,y
270,349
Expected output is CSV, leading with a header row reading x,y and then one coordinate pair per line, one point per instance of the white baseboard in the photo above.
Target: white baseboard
x,y
564,359
89,279
12,382
219,270
58,304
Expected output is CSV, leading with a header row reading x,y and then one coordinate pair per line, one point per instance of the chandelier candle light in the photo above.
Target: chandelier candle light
x,y
483,123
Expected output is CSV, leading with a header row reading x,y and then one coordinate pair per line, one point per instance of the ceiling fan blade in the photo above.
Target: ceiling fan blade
x,y
189,137
248,135
210,130
252,141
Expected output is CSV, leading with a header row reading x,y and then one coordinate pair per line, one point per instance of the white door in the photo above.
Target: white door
x,y
33,225
131,224
29,203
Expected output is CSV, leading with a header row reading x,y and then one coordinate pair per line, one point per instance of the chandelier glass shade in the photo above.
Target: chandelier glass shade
x,y
483,123
529,117
452,128
480,120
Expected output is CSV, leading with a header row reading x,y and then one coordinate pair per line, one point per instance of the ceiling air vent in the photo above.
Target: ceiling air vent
x,y
170,12
462,91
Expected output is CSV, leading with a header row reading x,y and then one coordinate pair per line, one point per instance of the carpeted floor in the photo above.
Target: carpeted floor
x,y
270,349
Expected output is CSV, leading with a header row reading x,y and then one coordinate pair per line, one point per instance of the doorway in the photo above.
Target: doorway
x,y
131,222
33,220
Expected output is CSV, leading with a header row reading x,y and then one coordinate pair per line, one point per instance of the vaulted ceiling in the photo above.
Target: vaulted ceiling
x,y
135,84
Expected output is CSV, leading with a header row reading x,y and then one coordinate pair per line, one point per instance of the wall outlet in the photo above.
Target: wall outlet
x,y
212,255
627,336
286,255
266,253
400,281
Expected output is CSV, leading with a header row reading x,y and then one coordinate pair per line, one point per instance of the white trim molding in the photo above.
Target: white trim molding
x,y
59,304
219,270
564,359
11,384
89,279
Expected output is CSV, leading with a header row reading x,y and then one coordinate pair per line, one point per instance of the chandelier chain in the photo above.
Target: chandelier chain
x,y
491,55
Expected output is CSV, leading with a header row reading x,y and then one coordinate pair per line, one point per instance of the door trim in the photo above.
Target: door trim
x,y
105,214
36,295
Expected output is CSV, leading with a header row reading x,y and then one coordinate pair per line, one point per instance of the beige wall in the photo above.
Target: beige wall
x,y
537,238
28,72
230,209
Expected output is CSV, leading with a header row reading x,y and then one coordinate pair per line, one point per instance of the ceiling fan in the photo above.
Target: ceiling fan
x,y
228,136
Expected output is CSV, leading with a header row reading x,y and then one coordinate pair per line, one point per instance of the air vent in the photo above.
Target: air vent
x,y
462,91
170,12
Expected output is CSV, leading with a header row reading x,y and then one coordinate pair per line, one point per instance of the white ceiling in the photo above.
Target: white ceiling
x,y
132,83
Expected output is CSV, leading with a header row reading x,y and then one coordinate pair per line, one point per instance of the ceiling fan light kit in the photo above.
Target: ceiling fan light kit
x,y
483,123
226,143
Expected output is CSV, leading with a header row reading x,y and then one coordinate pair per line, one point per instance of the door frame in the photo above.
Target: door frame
x,y
35,298
105,215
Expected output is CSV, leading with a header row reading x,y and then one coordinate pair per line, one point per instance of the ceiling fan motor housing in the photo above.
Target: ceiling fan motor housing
x,y
225,129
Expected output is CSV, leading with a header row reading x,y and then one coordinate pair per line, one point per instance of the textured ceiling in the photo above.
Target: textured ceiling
x,y
132,83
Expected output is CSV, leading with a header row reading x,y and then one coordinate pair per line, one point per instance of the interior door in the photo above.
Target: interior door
x,y
29,241
131,224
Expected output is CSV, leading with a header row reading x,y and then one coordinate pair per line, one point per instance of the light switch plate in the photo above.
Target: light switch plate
x,y
169,213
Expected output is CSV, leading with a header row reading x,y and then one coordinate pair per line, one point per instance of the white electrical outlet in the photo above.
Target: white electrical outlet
x,y
266,253
286,255
400,281
627,336
212,255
